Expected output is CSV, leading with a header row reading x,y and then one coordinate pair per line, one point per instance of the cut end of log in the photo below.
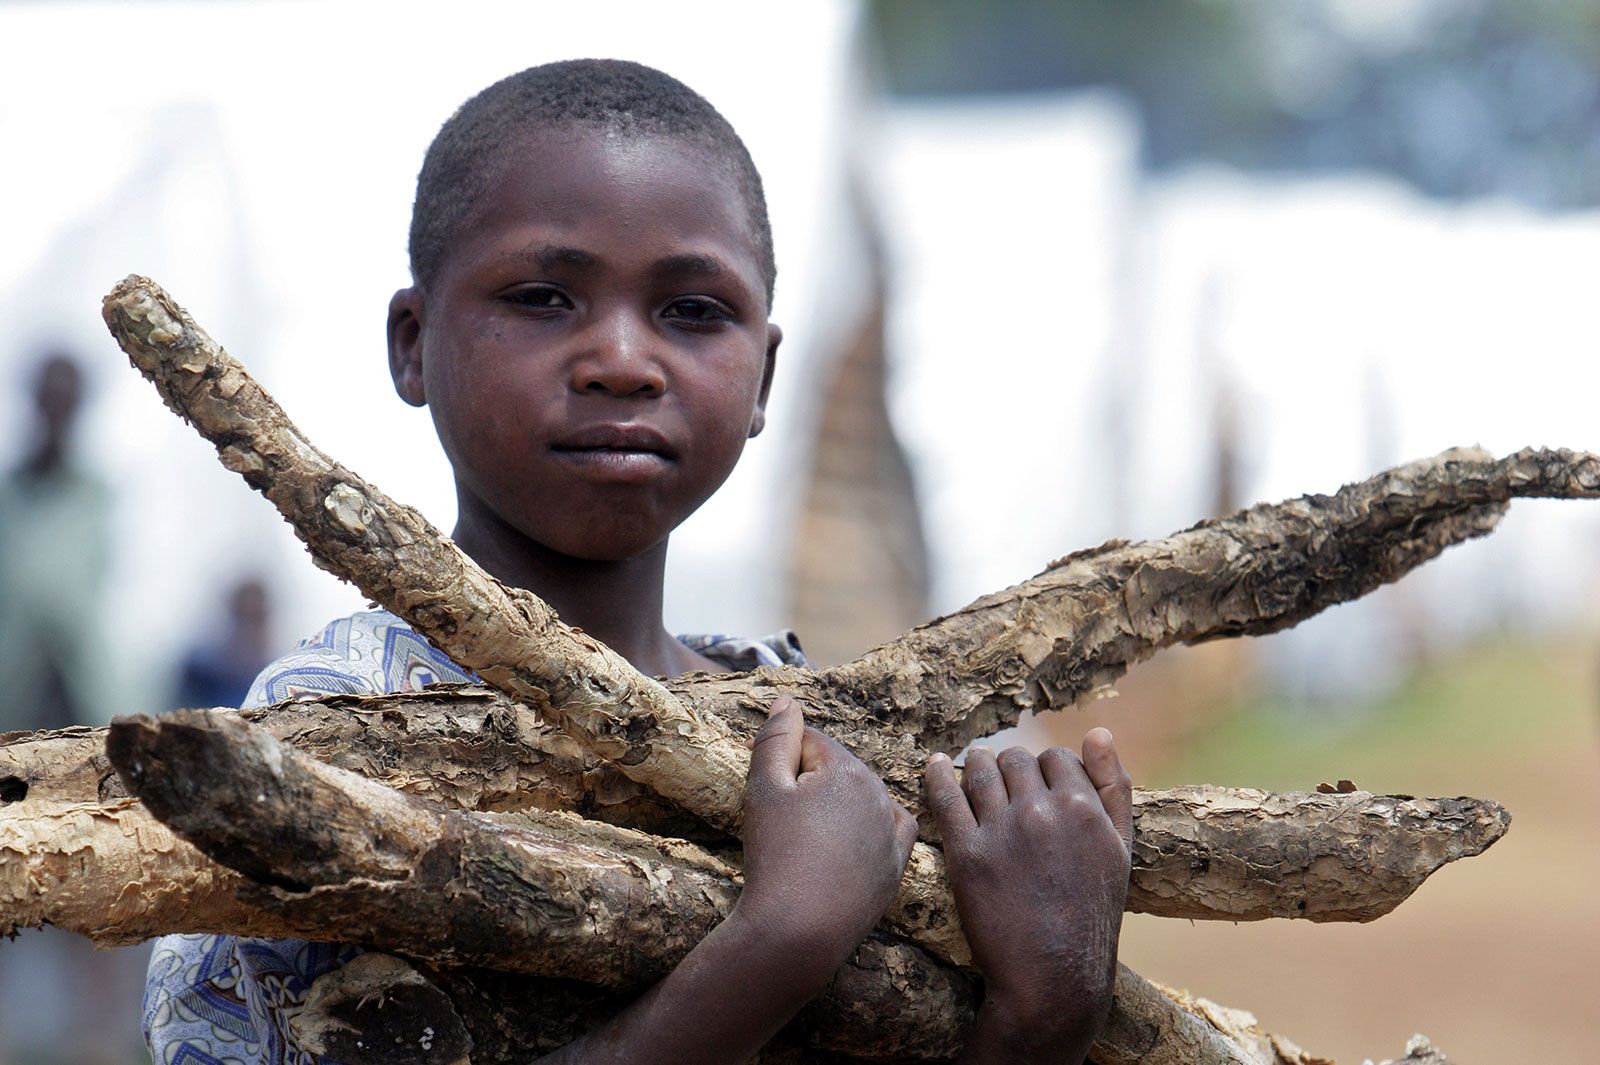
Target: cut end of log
x,y
378,1010
231,790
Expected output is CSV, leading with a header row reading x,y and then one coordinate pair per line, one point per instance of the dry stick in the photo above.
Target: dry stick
x,y
511,638
366,863
1082,622
1199,852
389,551
508,636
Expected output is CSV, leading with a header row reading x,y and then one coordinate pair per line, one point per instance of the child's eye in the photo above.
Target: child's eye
x,y
696,309
539,298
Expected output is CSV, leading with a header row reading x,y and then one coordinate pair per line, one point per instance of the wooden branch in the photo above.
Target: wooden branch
x,y
1199,852
508,636
688,755
677,746
1245,855
365,863
112,873
1082,622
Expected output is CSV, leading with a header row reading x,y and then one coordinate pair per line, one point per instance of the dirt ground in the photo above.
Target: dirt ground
x,y
1496,958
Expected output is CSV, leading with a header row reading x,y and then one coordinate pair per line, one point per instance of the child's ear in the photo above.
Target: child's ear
x,y
405,345
758,421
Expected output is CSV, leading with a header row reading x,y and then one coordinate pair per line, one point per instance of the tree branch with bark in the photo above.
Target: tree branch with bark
x,y
637,750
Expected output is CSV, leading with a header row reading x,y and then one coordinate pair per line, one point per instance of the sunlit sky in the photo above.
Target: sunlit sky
x,y
258,160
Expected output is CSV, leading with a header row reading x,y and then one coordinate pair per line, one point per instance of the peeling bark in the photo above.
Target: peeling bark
x,y
545,894
690,755
1045,643
1242,854
1202,853
366,863
1081,623
110,872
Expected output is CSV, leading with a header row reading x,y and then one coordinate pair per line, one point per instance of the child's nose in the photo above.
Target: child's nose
x,y
619,358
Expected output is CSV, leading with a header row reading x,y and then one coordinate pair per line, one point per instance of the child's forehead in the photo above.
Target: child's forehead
x,y
600,179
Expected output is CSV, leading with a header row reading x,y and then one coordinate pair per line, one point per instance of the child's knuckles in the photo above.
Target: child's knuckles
x,y
945,803
980,773
1081,808
1038,813
1014,758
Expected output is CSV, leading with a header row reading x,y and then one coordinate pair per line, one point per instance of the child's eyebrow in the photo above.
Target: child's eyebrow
x,y
691,263
550,256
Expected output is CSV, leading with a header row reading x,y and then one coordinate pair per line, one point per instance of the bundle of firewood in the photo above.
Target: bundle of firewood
x,y
524,855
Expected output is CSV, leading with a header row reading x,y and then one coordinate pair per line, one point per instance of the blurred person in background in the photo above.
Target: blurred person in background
x,y
219,671
54,545
55,529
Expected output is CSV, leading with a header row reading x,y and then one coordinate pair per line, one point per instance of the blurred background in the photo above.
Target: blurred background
x,y
1050,272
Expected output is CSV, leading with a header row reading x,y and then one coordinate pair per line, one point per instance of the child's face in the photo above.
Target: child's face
x,y
595,348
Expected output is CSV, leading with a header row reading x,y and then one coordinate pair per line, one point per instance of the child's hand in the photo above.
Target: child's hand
x,y
824,844
1038,855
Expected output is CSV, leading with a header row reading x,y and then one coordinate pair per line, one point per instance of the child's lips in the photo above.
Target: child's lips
x,y
616,452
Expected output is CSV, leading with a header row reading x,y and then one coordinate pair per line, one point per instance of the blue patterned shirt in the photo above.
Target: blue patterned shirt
x,y
223,1000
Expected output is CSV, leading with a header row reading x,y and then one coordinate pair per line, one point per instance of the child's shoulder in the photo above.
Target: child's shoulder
x,y
781,648
375,652
365,653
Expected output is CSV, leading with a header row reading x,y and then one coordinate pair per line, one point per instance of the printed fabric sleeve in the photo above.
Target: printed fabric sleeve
x,y
225,1000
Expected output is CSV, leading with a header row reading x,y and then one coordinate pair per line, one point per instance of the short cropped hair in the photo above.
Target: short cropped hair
x,y
607,94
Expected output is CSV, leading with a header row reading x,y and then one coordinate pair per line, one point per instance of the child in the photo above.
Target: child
x,y
592,269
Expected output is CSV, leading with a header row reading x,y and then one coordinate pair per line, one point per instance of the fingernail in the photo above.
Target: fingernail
x,y
938,756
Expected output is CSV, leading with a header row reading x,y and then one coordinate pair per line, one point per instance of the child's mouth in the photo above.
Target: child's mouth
x,y
615,452
615,463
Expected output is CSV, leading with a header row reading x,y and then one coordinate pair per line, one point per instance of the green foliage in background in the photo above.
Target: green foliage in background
x,y
1462,98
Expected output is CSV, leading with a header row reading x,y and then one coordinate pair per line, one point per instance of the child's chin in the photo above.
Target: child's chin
x,y
614,547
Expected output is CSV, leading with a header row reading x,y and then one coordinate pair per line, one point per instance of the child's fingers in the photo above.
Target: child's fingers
x,y
1062,770
986,789
1020,770
1111,780
775,751
946,800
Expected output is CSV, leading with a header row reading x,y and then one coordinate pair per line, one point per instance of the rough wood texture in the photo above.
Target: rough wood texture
x,y
1085,618
1072,629
508,636
1082,622
1246,855
366,863
111,872
1199,852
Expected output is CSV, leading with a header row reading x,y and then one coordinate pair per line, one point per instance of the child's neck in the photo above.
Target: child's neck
x,y
619,603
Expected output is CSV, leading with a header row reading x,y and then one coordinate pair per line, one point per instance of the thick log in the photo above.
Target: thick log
x,y
670,744
688,754
1081,623
366,863
112,873
508,636
1199,852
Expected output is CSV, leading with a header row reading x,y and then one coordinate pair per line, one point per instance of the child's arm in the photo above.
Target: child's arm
x,y
824,848
1038,855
